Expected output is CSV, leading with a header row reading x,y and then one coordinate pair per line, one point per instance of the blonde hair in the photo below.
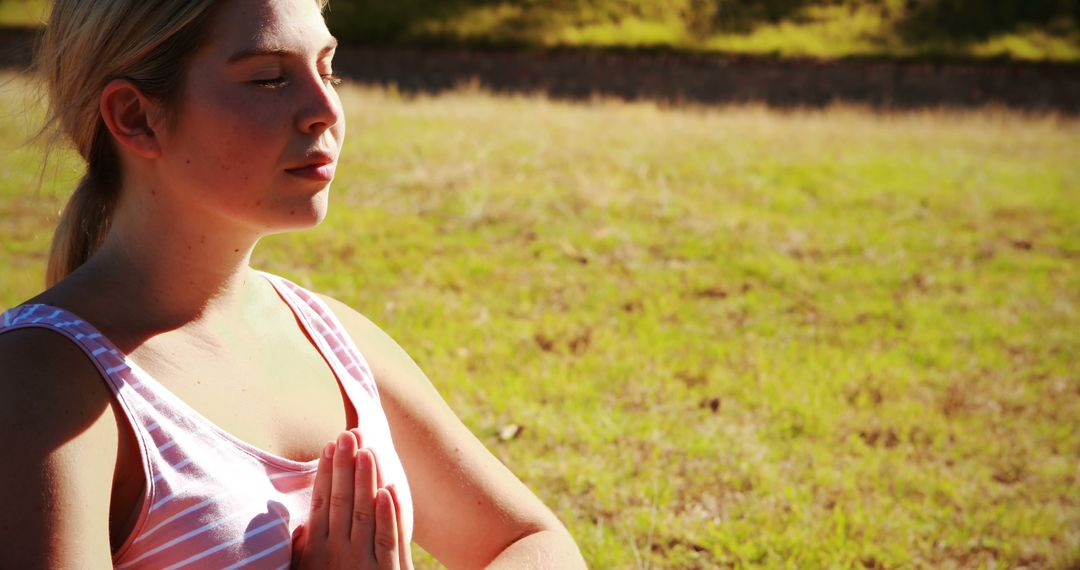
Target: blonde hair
x,y
86,44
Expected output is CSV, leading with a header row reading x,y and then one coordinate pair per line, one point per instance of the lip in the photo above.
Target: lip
x,y
320,167
323,172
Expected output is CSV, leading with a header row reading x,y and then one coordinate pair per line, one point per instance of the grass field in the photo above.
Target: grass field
x,y
731,337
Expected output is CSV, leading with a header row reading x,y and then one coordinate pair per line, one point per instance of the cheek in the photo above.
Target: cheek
x,y
339,132
231,139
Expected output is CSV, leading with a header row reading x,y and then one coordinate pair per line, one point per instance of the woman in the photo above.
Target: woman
x,y
167,406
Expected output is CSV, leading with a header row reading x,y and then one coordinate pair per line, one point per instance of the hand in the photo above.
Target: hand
x,y
354,521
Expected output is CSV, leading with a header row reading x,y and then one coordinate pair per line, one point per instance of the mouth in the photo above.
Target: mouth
x,y
320,168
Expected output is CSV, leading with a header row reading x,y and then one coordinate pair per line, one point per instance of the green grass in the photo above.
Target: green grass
x,y
22,13
734,336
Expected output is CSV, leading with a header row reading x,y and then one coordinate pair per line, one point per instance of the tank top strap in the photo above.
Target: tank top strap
x,y
328,334
136,397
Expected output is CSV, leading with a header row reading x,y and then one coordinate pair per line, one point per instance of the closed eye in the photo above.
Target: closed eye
x,y
330,79
271,83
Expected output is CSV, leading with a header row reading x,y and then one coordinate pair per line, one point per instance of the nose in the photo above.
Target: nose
x,y
321,109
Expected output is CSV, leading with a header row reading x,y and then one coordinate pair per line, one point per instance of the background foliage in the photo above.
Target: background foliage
x,y
1034,29
1019,29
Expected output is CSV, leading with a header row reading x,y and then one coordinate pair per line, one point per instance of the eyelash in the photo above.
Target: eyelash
x,y
328,78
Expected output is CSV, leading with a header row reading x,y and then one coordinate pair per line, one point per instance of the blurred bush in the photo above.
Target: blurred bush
x,y
382,21
981,18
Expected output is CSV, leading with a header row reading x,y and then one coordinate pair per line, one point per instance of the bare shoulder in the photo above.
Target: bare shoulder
x,y
386,358
60,447
47,382
404,390
354,321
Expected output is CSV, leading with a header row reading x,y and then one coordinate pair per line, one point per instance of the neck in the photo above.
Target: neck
x,y
174,269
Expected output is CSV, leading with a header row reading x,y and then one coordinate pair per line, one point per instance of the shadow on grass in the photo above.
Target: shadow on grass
x,y
709,79
670,76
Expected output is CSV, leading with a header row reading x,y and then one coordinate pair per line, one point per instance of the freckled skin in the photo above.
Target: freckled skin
x,y
236,138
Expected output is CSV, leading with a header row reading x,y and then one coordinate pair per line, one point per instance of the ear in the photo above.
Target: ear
x,y
131,118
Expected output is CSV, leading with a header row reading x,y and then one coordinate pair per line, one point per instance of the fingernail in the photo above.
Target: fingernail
x,y
343,440
328,450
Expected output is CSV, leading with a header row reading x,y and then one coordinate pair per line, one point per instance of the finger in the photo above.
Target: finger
x,y
386,546
318,523
341,489
298,540
404,545
380,479
363,523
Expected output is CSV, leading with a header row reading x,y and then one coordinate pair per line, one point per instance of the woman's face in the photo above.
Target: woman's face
x,y
259,129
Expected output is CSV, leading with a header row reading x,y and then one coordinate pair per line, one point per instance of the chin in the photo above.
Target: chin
x,y
302,215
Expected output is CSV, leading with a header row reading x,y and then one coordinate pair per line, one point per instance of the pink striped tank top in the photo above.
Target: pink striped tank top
x,y
212,500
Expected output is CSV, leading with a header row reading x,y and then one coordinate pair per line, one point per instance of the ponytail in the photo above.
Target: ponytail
x,y
83,226
147,43
86,218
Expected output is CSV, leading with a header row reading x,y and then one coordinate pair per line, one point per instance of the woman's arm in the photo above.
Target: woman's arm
x,y
59,453
470,510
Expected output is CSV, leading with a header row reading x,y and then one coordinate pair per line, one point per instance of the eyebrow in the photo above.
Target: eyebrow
x,y
277,52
